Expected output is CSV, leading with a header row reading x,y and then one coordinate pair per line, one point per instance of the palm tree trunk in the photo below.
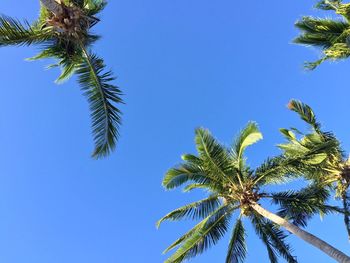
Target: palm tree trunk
x,y
306,236
53,6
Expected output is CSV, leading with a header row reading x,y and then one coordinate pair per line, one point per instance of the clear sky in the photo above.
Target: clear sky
x,y
181,64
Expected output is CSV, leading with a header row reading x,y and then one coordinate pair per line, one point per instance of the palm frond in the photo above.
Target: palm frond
x,y
248,136
318,32
300,206
295,162
215,157
211,231
261,233
195,210
187,173
186,236
276,170
237,249
13,32
103,98
305,112
273,238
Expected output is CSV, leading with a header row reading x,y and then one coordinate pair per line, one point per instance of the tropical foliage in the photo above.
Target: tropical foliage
x,y
331,35
335,173
63,32
234,189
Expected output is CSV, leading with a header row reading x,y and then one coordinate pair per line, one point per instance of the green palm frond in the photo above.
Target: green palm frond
x,y
103,98
186,236
261,233
214,156
276,170
305,112
187,173
13,32
319,32
195,210
273,238
332,36
237,250
296,161
300,206
248,136
211,231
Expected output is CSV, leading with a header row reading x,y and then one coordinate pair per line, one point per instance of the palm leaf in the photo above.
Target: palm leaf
x,y
305,112
237,249
13,32
273,238
103,98
215,158
195,210
248,136
320,32
300,206
211,231
185,173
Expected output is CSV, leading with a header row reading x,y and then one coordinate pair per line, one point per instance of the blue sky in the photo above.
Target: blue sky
x,y
181,64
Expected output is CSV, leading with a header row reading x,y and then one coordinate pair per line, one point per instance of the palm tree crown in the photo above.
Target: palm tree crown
x,y
63,32
335,173
332,36
232,186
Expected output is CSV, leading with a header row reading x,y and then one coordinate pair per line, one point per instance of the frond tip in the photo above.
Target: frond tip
x,y
237,250
103,97
305,112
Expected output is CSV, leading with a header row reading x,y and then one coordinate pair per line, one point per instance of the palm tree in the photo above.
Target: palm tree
x,y
63,32
232,186
332,36
336,167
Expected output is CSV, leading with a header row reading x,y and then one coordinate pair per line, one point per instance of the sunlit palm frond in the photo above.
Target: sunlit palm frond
x,y
248,136
331,35
319,32
215,157
305,112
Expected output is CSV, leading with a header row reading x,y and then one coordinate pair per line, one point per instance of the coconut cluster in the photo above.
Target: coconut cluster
x,y
70,20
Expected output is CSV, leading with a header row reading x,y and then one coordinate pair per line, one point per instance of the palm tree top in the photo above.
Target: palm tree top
x,y
336,165
232,186
331,35
63,32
